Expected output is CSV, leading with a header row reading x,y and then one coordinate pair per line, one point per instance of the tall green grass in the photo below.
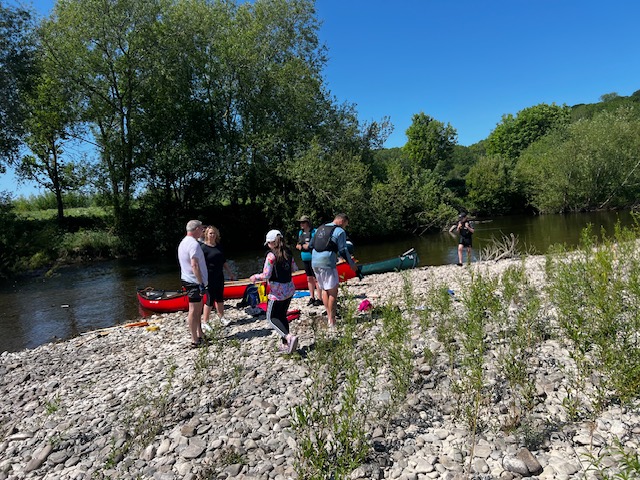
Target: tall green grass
x,y
596,291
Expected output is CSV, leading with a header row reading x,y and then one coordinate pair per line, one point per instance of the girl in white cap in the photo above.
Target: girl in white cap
x,y
278,267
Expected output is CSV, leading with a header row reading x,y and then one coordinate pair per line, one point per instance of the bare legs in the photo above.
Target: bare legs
x,y
193,320
314,288
207,311
330,300
460,249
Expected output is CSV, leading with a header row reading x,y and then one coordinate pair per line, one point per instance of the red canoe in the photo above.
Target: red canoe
x,y
175,300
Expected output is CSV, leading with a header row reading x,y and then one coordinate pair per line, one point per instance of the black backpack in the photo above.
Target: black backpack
x,y
322,241
250,298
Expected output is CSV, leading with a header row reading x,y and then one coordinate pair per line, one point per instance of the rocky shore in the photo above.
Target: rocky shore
x,y
138,403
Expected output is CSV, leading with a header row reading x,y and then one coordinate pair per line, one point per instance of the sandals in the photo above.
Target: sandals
x,y
200,343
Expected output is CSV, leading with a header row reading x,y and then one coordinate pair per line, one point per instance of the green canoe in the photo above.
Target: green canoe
x,y
407,260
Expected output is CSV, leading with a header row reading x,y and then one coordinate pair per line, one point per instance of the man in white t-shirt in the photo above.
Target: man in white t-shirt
x,y
193,273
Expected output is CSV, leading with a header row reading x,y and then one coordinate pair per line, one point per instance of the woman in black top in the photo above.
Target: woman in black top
x,y
216,266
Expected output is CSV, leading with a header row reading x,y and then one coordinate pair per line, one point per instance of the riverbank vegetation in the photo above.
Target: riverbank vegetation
x,y
155,113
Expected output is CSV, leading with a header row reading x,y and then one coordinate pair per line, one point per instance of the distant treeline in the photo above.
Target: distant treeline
x,y
157,112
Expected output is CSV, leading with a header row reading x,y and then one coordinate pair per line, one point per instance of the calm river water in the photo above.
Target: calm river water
x,y
77,299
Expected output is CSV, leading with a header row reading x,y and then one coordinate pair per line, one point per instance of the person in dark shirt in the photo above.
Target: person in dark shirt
x,y
465,230
305,235
216,266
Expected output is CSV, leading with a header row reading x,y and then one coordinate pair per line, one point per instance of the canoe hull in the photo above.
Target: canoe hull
x,y
405,261
167,301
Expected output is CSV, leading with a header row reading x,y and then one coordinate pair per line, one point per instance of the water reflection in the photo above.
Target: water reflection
x,y
82,298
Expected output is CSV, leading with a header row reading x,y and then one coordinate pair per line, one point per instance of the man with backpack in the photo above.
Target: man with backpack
x,y
330,241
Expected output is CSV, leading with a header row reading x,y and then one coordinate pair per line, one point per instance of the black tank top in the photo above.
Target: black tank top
x,y
282,270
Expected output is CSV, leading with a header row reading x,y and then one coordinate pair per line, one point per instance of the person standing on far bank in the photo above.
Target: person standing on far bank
x,y
305,235
465,230
324,259
193,274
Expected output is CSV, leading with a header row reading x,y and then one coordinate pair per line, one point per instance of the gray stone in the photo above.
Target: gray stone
x,y
39,457
58,457
532,463
193,451
515,465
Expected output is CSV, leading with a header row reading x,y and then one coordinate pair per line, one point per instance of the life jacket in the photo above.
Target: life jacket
x,y
282,270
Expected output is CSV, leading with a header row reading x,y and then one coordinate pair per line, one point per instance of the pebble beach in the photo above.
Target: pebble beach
x,y
138,403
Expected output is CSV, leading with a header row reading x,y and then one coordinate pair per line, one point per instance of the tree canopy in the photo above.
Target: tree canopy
x,y
17,50
219,109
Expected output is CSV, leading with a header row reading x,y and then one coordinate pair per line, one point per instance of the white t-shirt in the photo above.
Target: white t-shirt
x,y
190,248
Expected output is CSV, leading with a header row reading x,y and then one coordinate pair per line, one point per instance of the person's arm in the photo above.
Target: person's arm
x,y
195,267
343,251
469,227
269,262
453,227
227,269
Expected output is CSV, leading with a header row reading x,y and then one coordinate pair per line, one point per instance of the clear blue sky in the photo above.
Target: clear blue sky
x,y
468,62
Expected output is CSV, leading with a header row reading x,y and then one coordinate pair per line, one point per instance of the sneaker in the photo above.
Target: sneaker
x,y
317,302
225,321
311,302
206,328
293,344
459,264
284,348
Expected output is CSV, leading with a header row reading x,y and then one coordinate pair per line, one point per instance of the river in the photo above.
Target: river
x,y
78,299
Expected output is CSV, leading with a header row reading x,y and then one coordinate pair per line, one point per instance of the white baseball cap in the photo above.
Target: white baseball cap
x,y
272,235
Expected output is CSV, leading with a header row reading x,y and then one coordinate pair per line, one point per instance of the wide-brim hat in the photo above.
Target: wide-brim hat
x,y
304,218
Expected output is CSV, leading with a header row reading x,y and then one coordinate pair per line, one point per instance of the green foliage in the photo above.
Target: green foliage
x,y
330,421
89,245
613,102
395,341
514,134
491,186
593,164
410,198
429,142
100,53
37,205
616,462
48,127
17,55
11,237
332,182
596,296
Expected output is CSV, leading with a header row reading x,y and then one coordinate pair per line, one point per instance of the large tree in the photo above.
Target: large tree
x,y
17,49
430,142
49,127
246,82
513,134
102,52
